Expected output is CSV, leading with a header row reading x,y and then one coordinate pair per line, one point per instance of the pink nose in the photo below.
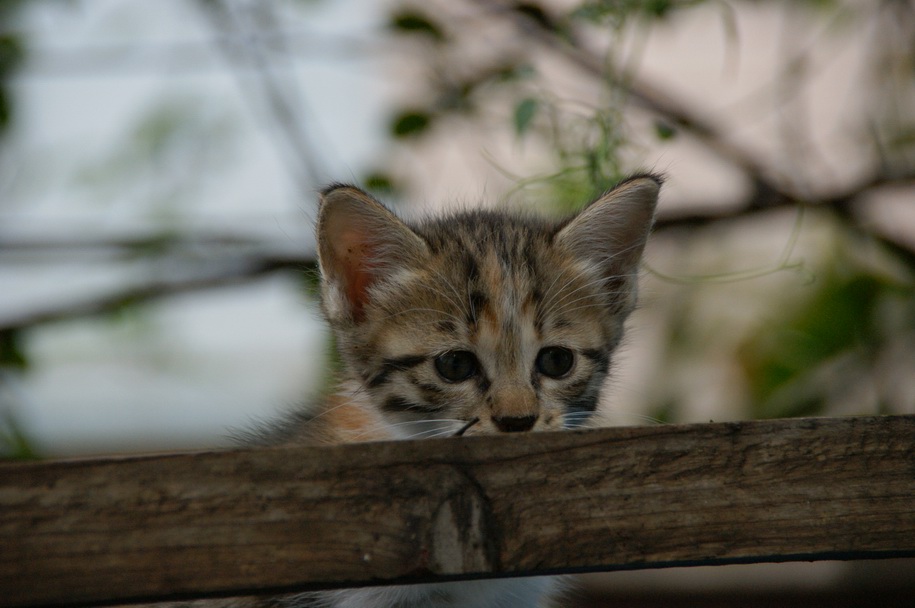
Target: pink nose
x,y
512,424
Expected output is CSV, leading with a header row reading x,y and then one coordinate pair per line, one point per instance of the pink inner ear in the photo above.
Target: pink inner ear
x,y
357,285
355,256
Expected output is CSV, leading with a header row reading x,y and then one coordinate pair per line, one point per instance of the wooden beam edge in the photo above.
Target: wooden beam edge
x,y
119,530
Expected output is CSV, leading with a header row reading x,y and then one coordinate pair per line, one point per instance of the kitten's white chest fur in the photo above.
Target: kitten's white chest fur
x,y
504,593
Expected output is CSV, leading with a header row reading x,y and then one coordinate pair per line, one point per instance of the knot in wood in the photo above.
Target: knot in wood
x,y
462,535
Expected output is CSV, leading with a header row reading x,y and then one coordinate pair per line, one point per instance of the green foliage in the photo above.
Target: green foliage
x,y
410,21
616,12
664,412
823,5
902,138
796,363
589,150
538,15
512,72
381,183
14,444
12,353
664,130
167,152
410,123
524,114
12,55
6,109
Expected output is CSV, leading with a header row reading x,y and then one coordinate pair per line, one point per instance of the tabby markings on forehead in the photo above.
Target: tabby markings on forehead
x,y
561,323
478,304
471,269
446,326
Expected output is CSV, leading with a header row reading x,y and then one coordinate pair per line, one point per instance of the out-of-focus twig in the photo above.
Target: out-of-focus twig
x,y
280,98
648,96
766,192
74,62
131,246
226,260
167,277
843,205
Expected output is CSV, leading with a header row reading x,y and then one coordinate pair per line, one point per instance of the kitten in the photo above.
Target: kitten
x,y
476,322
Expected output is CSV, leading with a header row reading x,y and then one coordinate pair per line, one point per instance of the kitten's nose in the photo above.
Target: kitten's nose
x,y
514,424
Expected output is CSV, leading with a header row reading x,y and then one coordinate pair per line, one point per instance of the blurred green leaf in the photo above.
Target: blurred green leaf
x,y
512,72
603,11
413,22
164,129
567,191
456,97
524,114
904,137
12,53
664,130
823,5
782,361
14,444
616,12
6,110
12,354
536,13
657,8
410,123
165,155
664,412
380,182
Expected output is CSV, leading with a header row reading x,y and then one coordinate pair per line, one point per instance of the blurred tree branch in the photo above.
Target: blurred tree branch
x,y
170,271
181,57
842,205
239,30
224,260
652,97
649,96
533,23
232,260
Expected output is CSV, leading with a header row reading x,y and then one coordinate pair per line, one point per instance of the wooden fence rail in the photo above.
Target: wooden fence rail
x,y
118,530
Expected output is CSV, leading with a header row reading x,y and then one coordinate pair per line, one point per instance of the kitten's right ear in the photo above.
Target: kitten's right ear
x,y
359,243
611,232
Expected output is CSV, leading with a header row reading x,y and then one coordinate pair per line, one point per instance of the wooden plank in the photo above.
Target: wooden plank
x,y
221,523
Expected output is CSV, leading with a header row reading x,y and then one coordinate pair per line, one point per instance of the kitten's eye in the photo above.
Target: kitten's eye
x,y
456,365
554,361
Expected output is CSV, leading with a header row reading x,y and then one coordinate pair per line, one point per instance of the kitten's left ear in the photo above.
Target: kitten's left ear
x,y
612,230
360,243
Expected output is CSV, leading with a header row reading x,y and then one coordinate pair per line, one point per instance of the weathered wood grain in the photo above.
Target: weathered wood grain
x,y
187,525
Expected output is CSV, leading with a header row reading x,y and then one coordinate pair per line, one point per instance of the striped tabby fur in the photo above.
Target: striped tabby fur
x,y
508,320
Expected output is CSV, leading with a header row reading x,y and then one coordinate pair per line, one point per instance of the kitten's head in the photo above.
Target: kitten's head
x,y
504,318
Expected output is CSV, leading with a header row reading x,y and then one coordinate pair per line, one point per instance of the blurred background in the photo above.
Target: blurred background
x,y
159,163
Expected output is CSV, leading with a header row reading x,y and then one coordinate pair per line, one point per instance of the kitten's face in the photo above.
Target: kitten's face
x,y
482,316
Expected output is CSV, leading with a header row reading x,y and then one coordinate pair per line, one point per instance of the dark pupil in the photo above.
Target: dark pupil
x,y
456,365
554,361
